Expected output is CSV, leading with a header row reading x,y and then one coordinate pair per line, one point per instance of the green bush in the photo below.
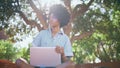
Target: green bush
x,y
25,53
7,50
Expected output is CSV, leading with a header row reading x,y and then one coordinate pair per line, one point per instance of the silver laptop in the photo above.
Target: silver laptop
x,y
44,56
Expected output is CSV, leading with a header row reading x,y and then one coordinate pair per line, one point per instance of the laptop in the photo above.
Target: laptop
x,y
44,57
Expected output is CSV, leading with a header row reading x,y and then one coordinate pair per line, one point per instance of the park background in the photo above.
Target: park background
x,y
94,28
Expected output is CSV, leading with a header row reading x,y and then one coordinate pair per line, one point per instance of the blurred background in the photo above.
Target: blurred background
x,y
94,28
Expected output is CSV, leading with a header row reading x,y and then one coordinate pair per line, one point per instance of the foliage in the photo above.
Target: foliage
x,y
10,52
104,43
25,53
102,17
7,9
97,46
7,50
11,22
84,51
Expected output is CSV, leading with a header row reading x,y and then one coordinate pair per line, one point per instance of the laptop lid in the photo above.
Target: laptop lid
x,y
44,56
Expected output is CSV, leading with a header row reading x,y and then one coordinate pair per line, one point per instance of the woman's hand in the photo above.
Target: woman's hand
x,y
60,50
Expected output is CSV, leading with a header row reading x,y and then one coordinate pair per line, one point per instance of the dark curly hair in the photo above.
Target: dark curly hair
x,y
61,13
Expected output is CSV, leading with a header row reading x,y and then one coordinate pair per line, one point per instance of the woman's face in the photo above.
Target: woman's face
x,y
53,21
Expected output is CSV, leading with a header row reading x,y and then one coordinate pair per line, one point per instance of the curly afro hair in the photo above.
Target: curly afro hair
x,y
61,13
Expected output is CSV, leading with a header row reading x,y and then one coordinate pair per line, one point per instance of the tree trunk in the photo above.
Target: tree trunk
x,y
3,36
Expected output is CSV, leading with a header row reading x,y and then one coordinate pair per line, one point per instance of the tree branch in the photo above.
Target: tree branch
x,y
67,29
68,5
39,14
106,54
28,22
81,36
81,9
3,36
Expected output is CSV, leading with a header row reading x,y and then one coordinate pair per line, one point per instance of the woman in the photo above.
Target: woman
x,y
54,36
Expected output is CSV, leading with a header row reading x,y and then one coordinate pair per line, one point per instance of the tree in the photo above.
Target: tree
x,y
41,16
7,9
92,22
104,42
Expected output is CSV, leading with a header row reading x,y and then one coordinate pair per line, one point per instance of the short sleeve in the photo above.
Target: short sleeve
x,y
68,48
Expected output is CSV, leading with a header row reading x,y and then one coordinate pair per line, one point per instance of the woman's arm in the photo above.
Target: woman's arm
x,y
66,58
61,51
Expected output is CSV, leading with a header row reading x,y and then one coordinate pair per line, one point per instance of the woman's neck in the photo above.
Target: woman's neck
x,y
55,30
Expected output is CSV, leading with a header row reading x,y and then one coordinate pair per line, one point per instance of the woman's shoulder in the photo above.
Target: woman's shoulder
x,y
43,32
65,36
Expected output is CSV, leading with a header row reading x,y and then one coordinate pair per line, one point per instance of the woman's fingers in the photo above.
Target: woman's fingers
x,y
59,49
